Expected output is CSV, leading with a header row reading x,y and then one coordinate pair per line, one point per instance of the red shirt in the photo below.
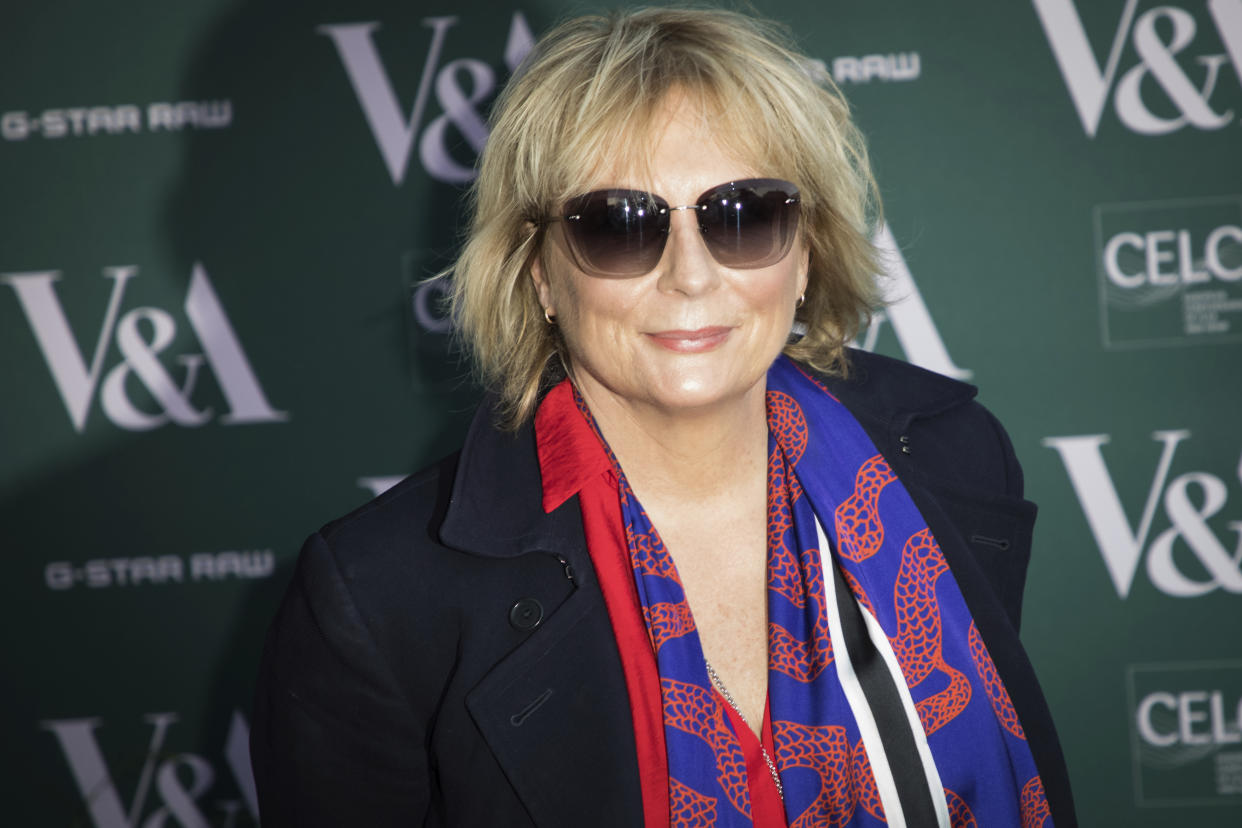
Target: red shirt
x,y
572,461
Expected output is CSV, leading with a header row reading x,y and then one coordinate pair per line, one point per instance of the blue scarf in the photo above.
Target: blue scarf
x,y
825,474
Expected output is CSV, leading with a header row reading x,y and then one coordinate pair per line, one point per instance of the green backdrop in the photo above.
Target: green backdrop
x,y
216,217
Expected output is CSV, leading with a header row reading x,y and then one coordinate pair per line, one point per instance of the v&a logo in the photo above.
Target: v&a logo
x,y
1190,500
395,132
1166,90
182,780
142,334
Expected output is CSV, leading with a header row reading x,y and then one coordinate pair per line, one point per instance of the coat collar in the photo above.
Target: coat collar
x,y
893,393
496,505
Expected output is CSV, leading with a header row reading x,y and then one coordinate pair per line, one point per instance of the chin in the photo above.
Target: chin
x,y
697,392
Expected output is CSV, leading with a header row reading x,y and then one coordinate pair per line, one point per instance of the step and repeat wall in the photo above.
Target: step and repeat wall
x,y
215,335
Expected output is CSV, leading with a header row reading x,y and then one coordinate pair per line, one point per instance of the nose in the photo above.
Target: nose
x,y
686,267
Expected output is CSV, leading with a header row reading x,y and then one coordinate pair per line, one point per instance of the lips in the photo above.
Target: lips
x,y
691,342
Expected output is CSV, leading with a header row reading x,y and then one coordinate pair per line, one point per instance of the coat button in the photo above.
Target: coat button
x,y
526,614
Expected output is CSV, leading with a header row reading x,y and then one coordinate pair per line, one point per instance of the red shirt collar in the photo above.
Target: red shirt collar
x,y
570,452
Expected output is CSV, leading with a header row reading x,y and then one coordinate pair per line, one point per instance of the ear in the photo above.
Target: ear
x,y
539,277
804,270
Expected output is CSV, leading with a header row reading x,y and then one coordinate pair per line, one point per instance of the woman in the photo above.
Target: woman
x,y
689,567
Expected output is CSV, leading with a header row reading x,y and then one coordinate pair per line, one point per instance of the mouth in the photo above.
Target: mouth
x,y
692,342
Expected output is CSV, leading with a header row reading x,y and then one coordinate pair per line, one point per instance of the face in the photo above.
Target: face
x,y
690,335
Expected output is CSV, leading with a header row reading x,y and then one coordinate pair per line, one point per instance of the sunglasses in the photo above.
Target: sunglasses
x,y
616,234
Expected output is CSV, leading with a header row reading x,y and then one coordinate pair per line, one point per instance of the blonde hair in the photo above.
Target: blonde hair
x,y
556,123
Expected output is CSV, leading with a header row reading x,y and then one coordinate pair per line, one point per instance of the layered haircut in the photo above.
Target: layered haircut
x,y
588,99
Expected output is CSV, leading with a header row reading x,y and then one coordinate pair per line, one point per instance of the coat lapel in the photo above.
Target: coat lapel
x,y
554,711
556,715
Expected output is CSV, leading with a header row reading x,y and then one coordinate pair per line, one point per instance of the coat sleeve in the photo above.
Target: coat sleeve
x,y
333,741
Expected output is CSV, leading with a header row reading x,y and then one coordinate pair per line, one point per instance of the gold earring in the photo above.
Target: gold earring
x,y
801,301
549,318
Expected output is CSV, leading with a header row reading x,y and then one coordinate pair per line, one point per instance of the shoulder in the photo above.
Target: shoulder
x,y
959,466
348,680
897,391
405,515
385,540
379,562
431,538
929,422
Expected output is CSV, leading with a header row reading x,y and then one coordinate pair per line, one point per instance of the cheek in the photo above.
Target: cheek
x,y
776,296
591,312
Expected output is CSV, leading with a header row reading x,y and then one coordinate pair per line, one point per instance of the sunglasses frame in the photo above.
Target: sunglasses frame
x,y
663,226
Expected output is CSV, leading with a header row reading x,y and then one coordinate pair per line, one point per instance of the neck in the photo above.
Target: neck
x,y
692,454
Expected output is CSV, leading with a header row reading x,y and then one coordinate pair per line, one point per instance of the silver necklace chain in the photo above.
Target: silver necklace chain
x,y
728,697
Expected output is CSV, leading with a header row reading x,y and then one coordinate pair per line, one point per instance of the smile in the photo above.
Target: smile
x,y
692,342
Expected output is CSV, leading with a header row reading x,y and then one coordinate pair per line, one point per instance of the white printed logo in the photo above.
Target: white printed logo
x,y
1190,93
1122,547
77,381
393,131
1186,720
103,573
1170,271
1192,717
892,68
1172,257
180,779
904,307
121,119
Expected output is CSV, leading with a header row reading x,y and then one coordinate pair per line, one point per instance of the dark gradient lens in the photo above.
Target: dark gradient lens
x,y
751,223
617,233
621,233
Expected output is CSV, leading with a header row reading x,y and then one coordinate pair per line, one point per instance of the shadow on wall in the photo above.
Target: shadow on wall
x,y
313,228
333,192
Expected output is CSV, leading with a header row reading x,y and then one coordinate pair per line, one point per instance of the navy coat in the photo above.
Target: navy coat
x,y
443,655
